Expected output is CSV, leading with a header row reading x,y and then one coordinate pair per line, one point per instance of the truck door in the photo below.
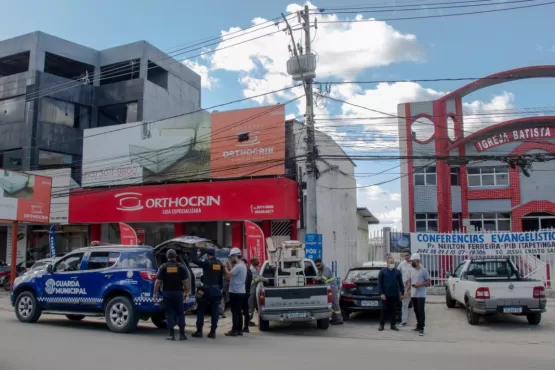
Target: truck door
x,y
98,276
454,287
62,288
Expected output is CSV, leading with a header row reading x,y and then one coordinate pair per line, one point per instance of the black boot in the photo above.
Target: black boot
x,y
182,336
197,334
171,335
212,334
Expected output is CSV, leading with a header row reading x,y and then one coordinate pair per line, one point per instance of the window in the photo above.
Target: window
x,y
157,75
54,160
456,221
425,176
102,260
491,221
492,269
143,260
362,274
68,68
14,64
11,160
60,112
117,114
455,178
458,270
426,222
69,263
488,176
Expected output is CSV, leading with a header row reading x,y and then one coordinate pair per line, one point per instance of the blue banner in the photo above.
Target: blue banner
x,y
52,241
313,246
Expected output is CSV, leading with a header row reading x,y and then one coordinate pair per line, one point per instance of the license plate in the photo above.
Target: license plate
x,y
512,309
369,303
296,315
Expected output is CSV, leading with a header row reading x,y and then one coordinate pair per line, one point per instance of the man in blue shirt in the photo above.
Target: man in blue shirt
x,y
390,285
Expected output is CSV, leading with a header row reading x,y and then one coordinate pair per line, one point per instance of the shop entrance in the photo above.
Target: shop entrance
x,y
538,221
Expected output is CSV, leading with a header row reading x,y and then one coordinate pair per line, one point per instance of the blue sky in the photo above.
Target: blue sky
x,y
466,46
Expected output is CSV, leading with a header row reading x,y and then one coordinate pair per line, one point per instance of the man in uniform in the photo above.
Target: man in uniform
x,y
213,282
325,276
173,276
248,283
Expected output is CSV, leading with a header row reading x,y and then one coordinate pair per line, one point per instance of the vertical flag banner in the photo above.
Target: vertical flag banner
x,y
256,246
128,236
52,241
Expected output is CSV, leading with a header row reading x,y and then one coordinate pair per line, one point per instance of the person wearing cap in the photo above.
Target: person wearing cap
x,y
237,277
173,277
419,280
211,293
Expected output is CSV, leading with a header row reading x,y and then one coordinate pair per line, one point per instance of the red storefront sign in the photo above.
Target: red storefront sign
x,y
127,235
256,245
523,134
257,199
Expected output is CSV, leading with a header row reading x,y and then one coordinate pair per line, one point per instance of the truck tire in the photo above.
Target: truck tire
x,y
26,307
263,325
121,316
534,318
472,317
323,324
75,317
159,320
449,301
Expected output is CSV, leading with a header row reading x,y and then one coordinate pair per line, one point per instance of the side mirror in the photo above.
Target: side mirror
x,y
50,268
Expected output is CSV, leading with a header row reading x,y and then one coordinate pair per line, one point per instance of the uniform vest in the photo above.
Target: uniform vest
x,y
212,275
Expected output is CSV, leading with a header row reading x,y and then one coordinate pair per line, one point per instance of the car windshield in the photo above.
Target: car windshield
x,y
40,264
363,274
492,269
141,259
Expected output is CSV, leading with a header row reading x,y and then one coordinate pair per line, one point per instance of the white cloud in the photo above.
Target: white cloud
x,y
344,50
206,80
383,204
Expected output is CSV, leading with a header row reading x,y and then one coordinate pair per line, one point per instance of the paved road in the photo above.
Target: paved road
x,y
57,344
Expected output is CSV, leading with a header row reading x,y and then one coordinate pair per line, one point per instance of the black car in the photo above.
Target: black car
x,y
359,290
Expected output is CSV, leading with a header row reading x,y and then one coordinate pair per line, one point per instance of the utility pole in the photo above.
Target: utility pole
x,y
302,67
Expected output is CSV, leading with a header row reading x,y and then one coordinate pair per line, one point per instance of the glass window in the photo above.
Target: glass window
x,y
362,274
11,160
458,270
455,176
65,113
12,110
101,260
117,114
456,222
488,176
51,159
426,222
69,263
491,221
139,260
425,176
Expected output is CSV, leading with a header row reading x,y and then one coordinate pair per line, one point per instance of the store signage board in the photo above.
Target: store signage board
x,y
255,199
25,197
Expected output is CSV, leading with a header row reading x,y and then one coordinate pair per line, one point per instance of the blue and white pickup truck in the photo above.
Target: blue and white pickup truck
x,y
113,281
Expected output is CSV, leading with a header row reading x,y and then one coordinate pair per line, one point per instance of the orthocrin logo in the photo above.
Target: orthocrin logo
x,y
253,140
36,208
129,201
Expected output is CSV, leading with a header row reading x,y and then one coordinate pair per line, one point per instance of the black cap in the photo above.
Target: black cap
x,y
211,252
171,254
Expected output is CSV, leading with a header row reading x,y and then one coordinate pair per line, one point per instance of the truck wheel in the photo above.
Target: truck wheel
x,y
323,324
6,284
449,301
120,315
263,325
26,308
534,318
472,317
75,317
159,320
346,315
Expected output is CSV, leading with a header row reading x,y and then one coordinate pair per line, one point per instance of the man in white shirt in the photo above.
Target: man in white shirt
x,y
406,269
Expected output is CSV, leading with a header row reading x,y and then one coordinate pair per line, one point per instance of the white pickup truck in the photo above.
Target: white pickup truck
x,y
488,286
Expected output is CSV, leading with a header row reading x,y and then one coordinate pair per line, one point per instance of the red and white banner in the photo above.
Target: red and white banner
x,y
256,244
258,199
128,236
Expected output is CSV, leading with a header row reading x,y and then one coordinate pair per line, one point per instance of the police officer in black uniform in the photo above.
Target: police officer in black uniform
x,y
173,277
211,292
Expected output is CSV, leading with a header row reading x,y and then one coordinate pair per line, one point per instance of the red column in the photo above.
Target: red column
x,y
294,230
237,234
267,228
13,272
178,229
95,232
